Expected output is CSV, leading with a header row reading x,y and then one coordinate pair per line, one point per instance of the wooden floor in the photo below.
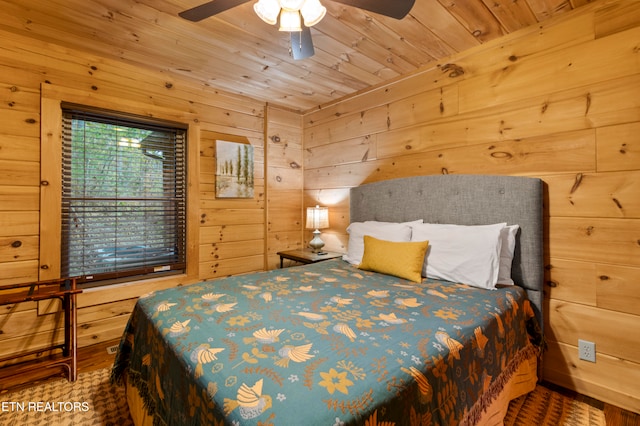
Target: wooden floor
x,y
96,357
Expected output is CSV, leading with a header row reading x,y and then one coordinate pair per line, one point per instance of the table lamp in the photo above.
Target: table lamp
x,y
317,218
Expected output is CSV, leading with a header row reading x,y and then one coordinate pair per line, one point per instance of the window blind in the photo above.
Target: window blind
x,y
123,197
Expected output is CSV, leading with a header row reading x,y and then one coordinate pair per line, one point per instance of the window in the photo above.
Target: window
x,y
123,196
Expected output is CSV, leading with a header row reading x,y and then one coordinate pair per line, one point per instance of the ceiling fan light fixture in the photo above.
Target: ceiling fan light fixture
x,y
267,10
312,11
290,21
291,5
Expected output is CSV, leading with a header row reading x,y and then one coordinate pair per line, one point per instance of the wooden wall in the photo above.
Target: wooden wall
x,y
232,231
560,101
224,236
284,183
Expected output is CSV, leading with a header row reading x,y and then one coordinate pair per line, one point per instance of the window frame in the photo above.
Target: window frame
x,y
52,100
178,165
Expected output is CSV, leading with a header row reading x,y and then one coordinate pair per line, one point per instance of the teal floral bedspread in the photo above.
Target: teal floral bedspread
x,y
322,344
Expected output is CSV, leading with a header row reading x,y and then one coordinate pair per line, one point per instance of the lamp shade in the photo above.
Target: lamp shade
x,y
317,217
290,21
293,5
267,10
312,12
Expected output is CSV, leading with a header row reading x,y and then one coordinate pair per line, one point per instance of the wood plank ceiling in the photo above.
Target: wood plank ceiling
x,y
236,52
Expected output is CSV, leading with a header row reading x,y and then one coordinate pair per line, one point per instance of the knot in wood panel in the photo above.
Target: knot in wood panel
x,y
623,148
576,184
453,69
617,203
501,154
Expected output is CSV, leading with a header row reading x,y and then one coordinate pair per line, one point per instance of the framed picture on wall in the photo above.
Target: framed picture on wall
x,y
234,169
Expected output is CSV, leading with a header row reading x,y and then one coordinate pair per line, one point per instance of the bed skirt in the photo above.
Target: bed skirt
x,y
520,377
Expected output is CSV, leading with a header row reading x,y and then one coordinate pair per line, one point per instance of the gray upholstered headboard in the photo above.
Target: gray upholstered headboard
x,y
466,200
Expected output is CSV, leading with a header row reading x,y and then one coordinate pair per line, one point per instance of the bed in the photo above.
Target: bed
x,y
334,344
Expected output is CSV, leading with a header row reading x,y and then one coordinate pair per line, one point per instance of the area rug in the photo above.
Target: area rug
x,y
544,407
93,400
90,400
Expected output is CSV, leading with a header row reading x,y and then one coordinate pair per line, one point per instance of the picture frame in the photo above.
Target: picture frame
x,y
234,169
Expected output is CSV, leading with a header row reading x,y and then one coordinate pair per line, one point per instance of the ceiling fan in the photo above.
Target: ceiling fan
x,y
309,11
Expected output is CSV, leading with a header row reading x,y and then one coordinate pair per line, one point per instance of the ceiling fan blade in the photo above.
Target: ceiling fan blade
x,y
301,44
208,9
397,9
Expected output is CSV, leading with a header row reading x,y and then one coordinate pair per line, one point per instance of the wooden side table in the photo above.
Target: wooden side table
x,y
306,256
66,291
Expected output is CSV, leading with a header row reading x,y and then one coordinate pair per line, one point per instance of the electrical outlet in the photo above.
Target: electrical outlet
x,y
587,350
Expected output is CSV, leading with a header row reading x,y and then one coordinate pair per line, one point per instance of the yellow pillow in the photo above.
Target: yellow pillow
x,y
400,259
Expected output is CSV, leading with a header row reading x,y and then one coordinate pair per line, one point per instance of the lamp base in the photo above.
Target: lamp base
x,y
316,243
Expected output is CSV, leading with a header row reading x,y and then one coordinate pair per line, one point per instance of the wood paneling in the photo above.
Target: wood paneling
x,y
236,52
284,183
599,240
19,148
609,379
13,250
230,233
229,253
618,147
233,266
224,236
571,281
214,251
572,321
26,174
19,223
612,194
547,102
553,71
618,288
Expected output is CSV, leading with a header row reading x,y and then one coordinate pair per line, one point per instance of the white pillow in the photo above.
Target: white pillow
x,y
462,254
388,231
508,236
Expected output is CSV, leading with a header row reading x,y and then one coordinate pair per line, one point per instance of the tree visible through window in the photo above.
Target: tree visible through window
x,y
124,197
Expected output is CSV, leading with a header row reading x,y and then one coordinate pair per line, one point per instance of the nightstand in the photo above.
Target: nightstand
x,y
306,256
